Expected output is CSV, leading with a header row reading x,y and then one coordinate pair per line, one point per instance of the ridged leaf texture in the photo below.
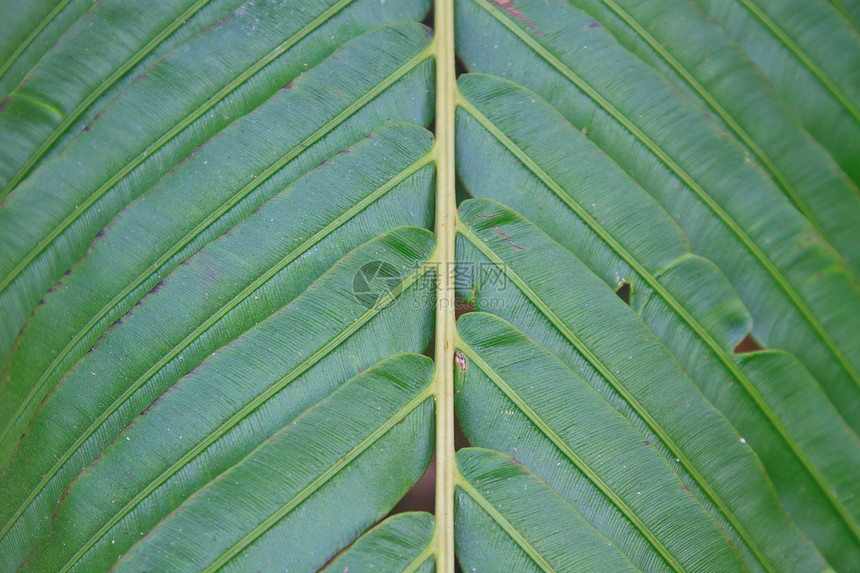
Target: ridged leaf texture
x,y
258,258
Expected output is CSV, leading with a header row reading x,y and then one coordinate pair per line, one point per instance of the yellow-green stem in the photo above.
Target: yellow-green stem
x,y
446,226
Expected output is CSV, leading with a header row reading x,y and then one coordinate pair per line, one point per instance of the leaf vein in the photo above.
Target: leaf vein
x,y
751,246
100,89
169,135
506,525
29,40
694,325
206,223
320,481
231,422
606,373
801,55
718,109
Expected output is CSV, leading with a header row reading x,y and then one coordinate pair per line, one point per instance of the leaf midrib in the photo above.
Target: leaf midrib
x,y
170,134
231,422
688,180
680,311
571,455
616,384
98,91
424,555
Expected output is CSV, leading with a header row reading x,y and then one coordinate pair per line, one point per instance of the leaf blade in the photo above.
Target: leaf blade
x,y
593,209
795,47
770,253
171,227
43,20
519,373
67,86
567,312
519,502
391,391
734,92
104,404
70,210
398,544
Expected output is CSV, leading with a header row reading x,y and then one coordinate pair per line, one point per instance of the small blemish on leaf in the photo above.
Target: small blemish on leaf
x,y
460,359
501,233
508,6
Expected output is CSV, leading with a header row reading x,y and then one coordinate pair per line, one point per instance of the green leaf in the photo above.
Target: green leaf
x,y
791,281
157,232
107,390
400,543
27,30
393,186
811,56
734,92
314,468
62,87
216,275
79,191
509,519
850,10
598,213
575,316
